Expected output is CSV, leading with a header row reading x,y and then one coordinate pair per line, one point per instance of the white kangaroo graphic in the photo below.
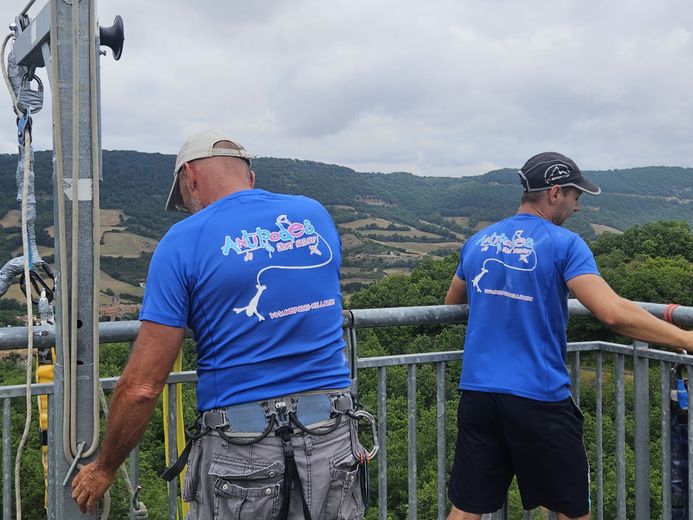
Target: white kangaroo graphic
x,y
251,308
478,277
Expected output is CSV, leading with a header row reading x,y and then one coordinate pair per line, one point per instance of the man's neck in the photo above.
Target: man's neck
x,y
216,195
534,210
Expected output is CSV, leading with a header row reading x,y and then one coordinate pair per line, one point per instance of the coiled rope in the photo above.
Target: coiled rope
x,y
29,325
26,137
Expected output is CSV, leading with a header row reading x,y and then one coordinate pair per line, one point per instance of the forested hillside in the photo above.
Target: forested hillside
x,y
388,222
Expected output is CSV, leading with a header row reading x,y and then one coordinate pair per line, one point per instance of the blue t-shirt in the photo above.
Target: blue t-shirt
x,y
516,272
255,275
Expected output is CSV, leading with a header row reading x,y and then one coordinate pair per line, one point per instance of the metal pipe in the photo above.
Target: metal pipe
x,y
575,378
641,371
122,331
442,459
6,452
665,407
620,438
689,374
382,441
411,406
172,451
599,439
134,475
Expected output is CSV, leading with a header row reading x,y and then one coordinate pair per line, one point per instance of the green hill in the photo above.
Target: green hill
x,y
388,221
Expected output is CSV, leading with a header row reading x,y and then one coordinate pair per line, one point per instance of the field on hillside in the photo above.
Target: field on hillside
x,y
115,242
127,245
599,229
375,247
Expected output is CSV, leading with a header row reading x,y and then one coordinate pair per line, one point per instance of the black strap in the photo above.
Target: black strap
x,y
291,475
364,479
193,434
174,469
305,429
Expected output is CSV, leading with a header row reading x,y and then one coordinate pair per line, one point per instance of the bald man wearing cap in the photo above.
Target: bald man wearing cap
x,y
516,416
255,276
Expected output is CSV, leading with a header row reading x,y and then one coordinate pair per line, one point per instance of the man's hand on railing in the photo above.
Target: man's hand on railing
x,y
90,485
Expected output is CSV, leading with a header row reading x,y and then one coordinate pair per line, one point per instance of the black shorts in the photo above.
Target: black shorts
x,y
501,436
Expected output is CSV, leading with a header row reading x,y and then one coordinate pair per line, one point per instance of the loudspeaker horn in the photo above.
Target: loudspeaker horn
x,y
113,37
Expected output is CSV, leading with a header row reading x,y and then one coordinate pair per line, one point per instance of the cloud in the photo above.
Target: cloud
x,y
444,88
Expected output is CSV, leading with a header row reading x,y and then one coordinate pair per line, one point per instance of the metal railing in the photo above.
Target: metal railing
x,y
637,356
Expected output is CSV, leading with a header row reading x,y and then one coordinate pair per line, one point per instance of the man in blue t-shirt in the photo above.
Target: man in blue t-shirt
x,y
255,276
516,416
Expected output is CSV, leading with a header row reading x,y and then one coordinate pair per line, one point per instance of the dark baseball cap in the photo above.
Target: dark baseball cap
x,y
550,168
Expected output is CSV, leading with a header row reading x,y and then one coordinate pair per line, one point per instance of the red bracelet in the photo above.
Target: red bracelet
x,y
669,312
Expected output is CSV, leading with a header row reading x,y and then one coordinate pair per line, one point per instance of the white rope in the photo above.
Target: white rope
x,y
5,74
62,234
96,215
29,324
74,276
27,278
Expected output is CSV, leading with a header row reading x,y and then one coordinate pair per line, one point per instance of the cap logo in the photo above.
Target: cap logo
x,y
556,172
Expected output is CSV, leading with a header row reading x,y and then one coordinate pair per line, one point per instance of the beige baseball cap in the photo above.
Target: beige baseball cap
x,y
201,146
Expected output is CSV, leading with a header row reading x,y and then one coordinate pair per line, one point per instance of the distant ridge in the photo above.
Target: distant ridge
x,y
388,222
138,183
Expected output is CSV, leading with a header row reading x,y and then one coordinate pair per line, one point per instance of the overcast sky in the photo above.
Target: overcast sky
x,y
445,87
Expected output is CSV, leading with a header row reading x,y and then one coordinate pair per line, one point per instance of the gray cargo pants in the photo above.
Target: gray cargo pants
x,y
226,481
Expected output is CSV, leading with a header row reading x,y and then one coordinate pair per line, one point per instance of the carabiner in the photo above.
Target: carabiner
x,y
363,414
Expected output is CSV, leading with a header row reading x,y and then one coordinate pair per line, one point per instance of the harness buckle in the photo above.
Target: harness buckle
x,y
282,415
214,419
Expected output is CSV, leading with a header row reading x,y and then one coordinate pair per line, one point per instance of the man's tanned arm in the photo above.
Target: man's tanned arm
x,y
624,316
133,402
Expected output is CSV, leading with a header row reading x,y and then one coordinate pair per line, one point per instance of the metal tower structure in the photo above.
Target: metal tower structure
x,y
63,38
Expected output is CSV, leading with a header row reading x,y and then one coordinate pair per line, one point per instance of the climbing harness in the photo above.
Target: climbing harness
x,y
245,424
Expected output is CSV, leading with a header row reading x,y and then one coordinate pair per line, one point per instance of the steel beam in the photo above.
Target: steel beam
x,y
75,146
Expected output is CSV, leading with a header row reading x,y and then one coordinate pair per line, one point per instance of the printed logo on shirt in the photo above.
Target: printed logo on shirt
x,y
288,236
518,254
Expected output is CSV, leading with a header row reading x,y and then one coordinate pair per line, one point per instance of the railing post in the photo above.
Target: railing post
x,y
665,406
134,476
135,464
575,378
442,458
411,405
599,439
382,441
172,451
352,357
689,375
620,421
6,451
641,372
